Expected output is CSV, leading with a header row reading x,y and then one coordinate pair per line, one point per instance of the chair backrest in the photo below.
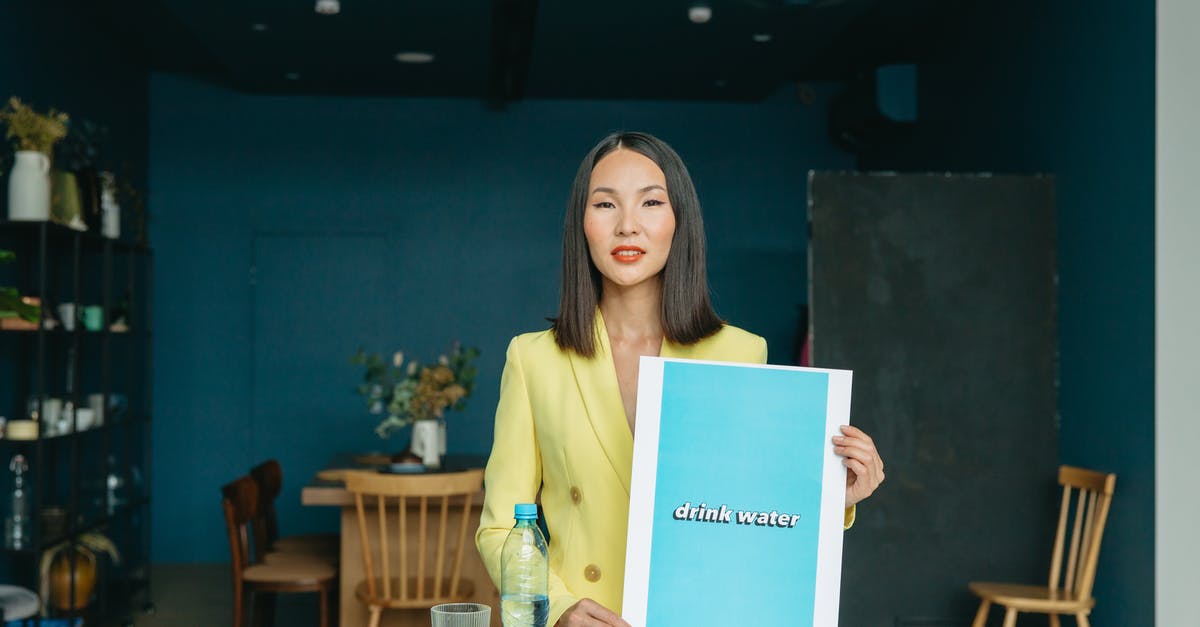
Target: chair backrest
x,y
269,477
412,583
1093,495
239,500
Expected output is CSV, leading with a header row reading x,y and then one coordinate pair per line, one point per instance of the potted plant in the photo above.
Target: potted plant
x,y
417,394
71,566
33,136
75,180
132,202
12,305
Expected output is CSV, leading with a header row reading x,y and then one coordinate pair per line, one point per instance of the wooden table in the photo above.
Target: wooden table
x,y
329,492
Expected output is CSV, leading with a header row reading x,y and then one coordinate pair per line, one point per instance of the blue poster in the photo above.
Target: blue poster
x,y
736,508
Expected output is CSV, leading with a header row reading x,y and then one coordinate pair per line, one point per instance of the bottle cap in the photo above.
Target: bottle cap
x,y
525,511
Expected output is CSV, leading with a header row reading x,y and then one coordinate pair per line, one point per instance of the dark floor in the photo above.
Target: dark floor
x,y
195,595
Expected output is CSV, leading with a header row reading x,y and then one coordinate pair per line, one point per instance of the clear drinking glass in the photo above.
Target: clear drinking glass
x,y
461,615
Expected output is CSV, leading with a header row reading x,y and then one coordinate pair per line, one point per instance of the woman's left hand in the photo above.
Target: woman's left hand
x,y
863,464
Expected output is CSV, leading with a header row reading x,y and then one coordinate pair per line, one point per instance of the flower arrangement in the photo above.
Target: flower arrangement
x,y
33,130
407,392
80,149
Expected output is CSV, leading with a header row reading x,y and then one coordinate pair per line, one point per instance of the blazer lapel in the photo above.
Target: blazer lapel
x,y
597,381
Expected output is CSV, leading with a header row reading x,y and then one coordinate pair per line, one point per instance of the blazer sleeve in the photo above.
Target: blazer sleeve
x,y
513,475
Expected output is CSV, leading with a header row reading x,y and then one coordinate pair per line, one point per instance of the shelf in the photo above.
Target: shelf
x,y
72,469
118,512
61,333
57,231
125,593
127,596
108,424
138,418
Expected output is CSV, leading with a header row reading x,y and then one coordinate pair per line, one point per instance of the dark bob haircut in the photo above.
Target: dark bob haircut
x,y
687,313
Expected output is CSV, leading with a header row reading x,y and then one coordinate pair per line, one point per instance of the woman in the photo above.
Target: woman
x,y
633,284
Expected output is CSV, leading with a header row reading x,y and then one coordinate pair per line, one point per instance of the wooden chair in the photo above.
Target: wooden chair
x,y
1095,490
412,584
269,477
240,502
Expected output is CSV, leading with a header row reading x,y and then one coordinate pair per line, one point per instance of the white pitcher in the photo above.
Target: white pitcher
x,y
29,187
425,443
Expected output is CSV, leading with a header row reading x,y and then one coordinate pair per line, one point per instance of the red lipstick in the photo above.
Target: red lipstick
x,y
627,254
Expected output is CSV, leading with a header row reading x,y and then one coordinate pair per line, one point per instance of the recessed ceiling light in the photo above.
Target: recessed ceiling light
x,y
259,27
328,7
700,14
720,82
762,38
292,76
414,57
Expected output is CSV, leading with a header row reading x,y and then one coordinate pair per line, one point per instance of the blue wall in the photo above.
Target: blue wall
x,y
1049,86
469,204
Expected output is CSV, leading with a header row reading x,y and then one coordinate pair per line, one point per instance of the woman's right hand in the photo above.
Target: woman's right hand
x,y
588,613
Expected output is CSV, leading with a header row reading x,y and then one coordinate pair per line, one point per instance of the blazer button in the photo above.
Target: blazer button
x,y
576,495
592,573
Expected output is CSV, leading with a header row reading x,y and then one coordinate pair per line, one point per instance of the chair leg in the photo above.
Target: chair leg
x,y
324,594
376,614
1054,622
239,612
264,610
1082,619
982,614
1010,616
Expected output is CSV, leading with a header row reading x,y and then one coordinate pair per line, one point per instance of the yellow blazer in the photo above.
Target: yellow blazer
x,y
561,430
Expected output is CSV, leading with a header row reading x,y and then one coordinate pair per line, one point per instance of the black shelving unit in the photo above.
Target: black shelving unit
x,y
99,476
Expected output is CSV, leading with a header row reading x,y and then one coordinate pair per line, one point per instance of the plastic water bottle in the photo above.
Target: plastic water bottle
x,y
523,572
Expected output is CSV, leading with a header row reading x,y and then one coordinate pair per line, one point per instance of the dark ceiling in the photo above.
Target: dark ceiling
x,y
506,50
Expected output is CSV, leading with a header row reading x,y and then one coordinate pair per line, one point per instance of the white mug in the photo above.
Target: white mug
x,y
66,423
84,417
96,403
66,315
51,411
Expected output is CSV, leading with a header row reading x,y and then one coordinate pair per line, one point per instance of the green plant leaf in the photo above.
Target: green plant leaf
x,y
12,306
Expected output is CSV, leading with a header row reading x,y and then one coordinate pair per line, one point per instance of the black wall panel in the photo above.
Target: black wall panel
x,y
939,291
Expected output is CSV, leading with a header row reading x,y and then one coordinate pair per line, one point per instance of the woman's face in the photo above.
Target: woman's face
x,y
628,222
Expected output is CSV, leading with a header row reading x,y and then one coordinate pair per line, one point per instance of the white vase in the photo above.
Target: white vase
x,y
29,187
110,214
425,443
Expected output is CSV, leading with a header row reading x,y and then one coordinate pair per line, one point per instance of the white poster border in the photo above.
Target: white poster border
x,y
644,476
